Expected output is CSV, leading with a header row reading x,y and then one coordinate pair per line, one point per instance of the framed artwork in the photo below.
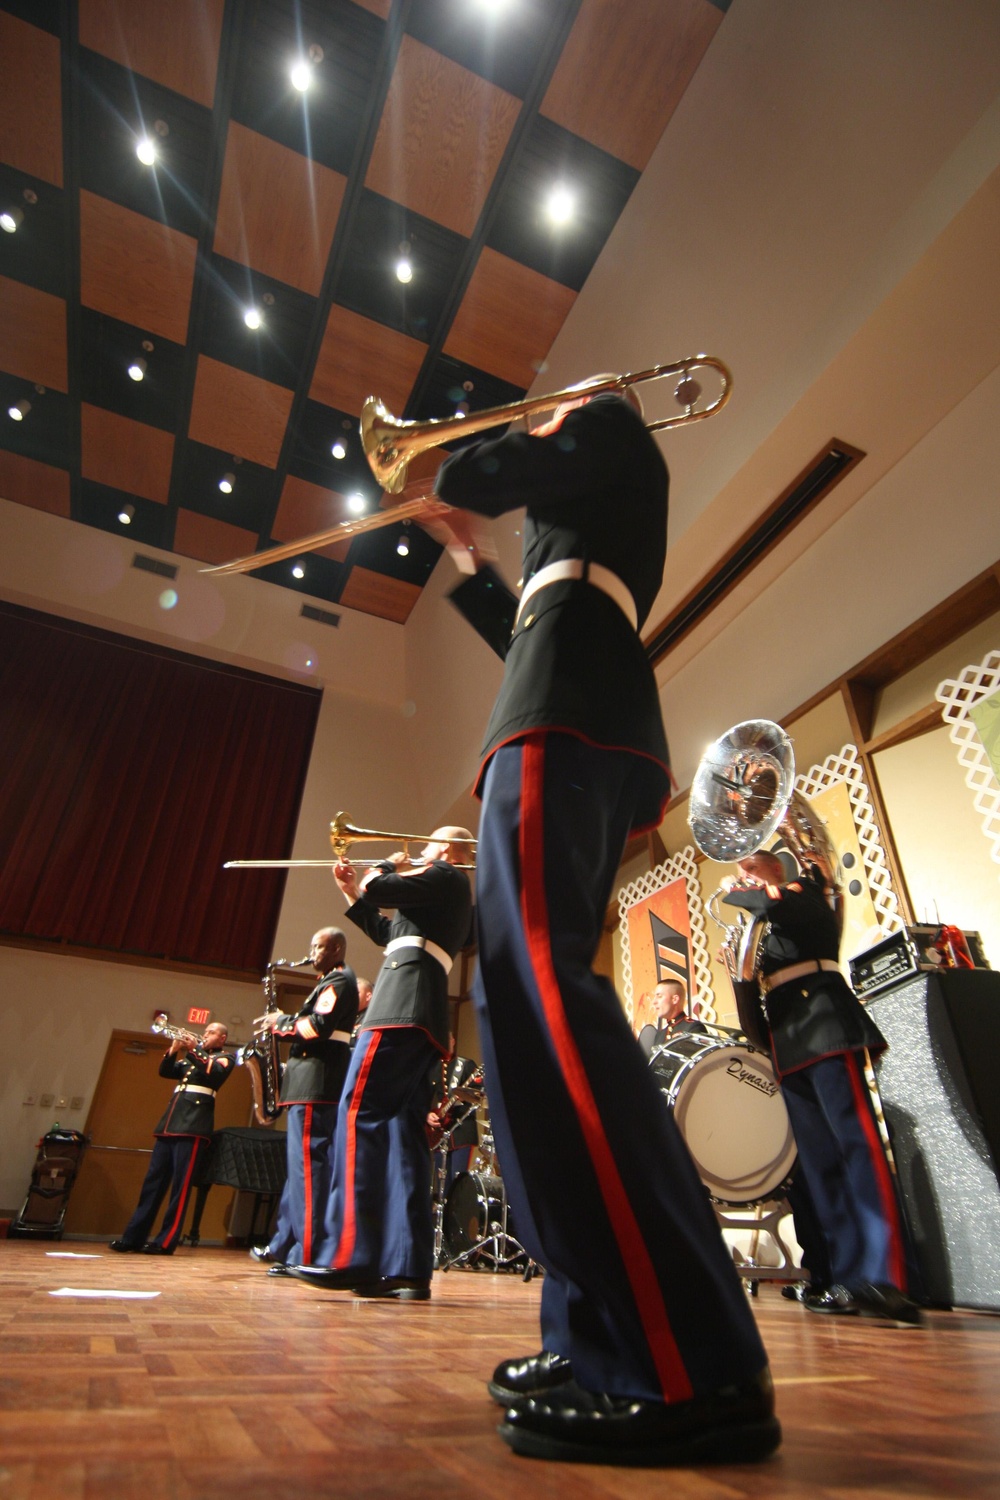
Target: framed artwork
x,y
662,933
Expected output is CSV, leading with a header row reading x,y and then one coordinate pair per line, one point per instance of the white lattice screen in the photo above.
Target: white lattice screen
x,y
846,766
958,695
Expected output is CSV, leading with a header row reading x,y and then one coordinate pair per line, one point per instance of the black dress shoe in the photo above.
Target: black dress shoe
x,y
734,1425
794,1291
397,1288
154,1249
830,1299
879,1300
279,1269
330,1280
261,1254
124,1248
515,1378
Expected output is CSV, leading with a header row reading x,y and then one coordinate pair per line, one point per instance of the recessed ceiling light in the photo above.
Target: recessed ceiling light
x,y
226,483
19,411
338,450
301,75
298,571
356,502
252,318
404,270
11,219
145,150
561,204
137,369
403,547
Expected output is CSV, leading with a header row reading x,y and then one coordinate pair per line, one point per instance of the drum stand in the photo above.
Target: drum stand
x,y
766,1218
498,1250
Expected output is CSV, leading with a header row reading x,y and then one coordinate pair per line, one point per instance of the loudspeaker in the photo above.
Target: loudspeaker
x,y
942,1107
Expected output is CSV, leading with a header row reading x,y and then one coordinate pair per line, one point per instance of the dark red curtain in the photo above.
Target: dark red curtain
x,y
128,774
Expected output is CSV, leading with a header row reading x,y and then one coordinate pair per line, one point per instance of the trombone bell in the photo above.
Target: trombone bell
x,y
343,834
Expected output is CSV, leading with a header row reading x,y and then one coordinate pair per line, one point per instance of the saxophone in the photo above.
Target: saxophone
x,y
261,1055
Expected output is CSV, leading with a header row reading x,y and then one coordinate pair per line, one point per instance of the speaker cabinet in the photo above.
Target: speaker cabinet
x,y
942,1105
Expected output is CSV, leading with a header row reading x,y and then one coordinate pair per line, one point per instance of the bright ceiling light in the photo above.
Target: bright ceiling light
x,y
125,514
403,547
301,75
252,318
338,450
226,483
137,369
404,270
356,502
145,150
11,219
298,571
19,411
561,204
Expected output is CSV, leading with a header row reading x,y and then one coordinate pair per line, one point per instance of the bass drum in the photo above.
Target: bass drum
x,y
473,1205
728,1107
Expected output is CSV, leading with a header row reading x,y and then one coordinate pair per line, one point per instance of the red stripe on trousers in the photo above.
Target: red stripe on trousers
x,y
175,1227
307,1179
673,1376
863,1103
348,1233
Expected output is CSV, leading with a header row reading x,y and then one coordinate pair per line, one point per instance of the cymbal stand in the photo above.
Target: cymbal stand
x,y
441,1153
499,1248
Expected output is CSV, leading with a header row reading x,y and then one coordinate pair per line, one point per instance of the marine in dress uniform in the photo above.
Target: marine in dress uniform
x,y
380,1208
819,1032
668,1005
651,1354
182,1137
311,1085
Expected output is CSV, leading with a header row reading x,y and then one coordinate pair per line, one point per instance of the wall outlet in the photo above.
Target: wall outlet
x,y
47,1101
60,1103
29,1099
76,1102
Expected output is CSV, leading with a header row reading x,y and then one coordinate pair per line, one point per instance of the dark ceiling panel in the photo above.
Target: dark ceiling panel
x,y
322,578
276,350
101,506
446,384
37,253
197,473
378,551
117,108
107,348
368,282
312,457
325,124
601,184
45,431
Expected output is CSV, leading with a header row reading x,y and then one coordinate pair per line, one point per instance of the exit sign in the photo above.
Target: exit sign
x,y
198,1017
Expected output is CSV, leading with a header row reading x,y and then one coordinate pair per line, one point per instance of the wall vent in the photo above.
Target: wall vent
x,y
154,565
322,616
827,469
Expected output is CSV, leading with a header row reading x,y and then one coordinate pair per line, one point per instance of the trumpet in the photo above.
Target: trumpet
x,y
343,834
391,444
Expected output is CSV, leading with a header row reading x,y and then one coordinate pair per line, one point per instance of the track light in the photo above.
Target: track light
x,y
226,483
298,571
19,411
252,318
125,514
145,150
403,546
338,450
356,502
561,204
11,219
137,369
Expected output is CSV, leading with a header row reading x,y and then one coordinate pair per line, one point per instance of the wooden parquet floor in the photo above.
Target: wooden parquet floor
x,y
231,1383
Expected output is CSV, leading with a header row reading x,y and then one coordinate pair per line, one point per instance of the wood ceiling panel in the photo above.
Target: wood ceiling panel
x,y
135,269
209,540
27,482
30,99
277,210
508,319
32,334
375,594
640,52
306,508
175,44
377,7
126,455
442,135
352,348
238,413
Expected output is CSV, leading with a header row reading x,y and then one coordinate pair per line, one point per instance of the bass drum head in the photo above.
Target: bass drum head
x,y
728,1107
474,1199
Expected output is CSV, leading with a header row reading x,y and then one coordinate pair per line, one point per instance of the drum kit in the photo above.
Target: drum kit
x,y
473,1228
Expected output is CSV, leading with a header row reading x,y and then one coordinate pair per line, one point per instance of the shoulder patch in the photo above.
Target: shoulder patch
x,y
326,1002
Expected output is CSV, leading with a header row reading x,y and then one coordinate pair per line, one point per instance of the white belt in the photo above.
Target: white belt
x,y
340,1036
193,1088
424,943
798,971
574,567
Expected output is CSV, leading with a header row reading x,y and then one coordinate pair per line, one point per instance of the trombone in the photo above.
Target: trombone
x,y
343,833
391,444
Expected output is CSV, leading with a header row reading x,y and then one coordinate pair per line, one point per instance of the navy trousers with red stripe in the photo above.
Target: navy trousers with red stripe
x,y
640,1291
300,1235
171,1167
380,1220
844,1166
